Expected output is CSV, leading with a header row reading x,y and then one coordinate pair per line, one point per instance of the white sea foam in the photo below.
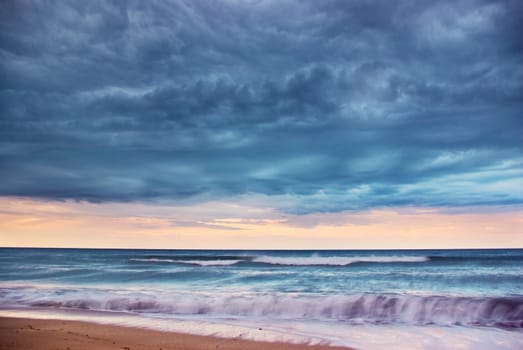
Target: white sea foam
x,y
335,260
291,260
209,262
217,262
352,308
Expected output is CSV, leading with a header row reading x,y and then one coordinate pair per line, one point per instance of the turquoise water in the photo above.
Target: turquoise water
x,y
416,286
461,289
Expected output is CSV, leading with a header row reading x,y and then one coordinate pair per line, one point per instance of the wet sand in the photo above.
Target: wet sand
x,y
35,334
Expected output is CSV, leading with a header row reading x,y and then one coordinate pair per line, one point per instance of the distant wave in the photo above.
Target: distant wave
x,y
356,308
153,260
210,262
218,262
336,260
206,260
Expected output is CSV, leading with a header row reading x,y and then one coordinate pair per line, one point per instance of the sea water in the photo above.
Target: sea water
x,y
415,299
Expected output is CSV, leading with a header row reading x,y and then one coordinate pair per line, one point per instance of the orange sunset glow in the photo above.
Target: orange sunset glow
x,y
39,223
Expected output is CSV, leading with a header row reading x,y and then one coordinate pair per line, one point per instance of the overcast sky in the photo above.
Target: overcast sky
x,y
323,106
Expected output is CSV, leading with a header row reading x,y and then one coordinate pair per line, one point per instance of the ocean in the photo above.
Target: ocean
x,y
410,299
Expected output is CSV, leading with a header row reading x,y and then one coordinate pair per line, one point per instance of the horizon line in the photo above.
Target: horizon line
x,y
232,249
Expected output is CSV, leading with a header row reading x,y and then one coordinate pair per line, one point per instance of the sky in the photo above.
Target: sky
x,y
261,124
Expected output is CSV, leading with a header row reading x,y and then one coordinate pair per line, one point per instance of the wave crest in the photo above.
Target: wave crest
x,y
336,260
218,262
354,308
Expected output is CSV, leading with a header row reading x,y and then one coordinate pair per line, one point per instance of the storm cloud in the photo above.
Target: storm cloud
x,y
327,105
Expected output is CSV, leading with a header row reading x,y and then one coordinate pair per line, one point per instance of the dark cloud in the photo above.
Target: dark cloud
x,y
337,104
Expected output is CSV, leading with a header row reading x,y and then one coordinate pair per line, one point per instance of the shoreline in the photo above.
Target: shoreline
x,y
47,334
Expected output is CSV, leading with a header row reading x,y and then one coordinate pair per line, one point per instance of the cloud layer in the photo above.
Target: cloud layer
x,y
324,105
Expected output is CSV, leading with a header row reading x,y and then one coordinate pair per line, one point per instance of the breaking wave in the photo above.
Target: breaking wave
x,y
218,262
336,260
278,260
356,308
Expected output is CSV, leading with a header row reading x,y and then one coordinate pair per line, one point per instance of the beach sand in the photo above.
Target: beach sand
x,y
34,334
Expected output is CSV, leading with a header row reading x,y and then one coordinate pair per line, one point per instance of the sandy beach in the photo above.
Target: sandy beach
x,y
34,334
